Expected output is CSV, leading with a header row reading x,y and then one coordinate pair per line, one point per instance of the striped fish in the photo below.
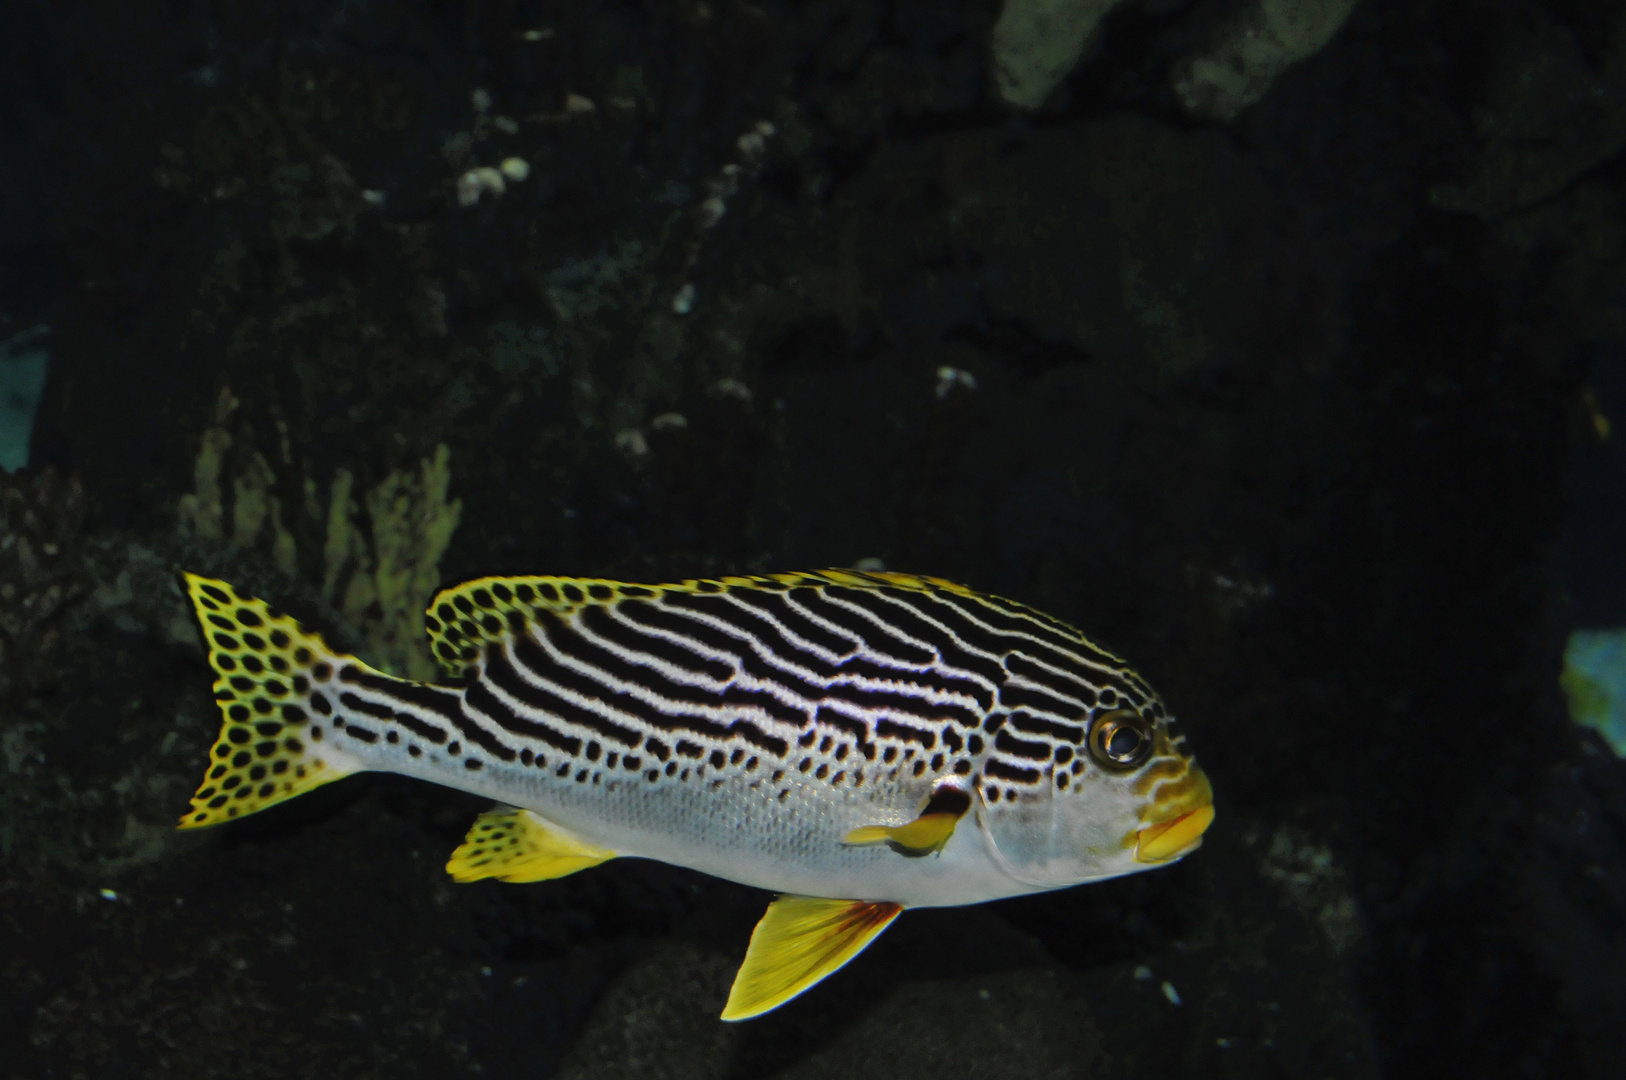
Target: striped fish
x,y
859,743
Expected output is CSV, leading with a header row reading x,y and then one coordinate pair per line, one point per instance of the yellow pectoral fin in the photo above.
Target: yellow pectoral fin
x,y
922,836
518,846
799,941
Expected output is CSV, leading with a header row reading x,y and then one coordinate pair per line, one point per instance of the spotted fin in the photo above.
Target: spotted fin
x,y
925,835
800,940
518,846
268,750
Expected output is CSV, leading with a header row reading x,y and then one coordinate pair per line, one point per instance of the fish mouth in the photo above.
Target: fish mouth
x,y
1169,839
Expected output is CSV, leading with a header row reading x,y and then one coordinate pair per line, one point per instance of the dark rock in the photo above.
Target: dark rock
x,y
41,573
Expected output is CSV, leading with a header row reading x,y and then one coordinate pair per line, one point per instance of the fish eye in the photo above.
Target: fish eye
x,y
1120,740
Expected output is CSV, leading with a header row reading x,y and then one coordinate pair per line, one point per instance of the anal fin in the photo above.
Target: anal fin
x,y
518,846
800,940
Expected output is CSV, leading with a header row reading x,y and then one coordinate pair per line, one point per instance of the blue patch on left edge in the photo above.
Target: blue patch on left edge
x,y
23,361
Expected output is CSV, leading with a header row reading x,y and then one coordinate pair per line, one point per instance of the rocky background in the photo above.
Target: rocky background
x,y
1280,406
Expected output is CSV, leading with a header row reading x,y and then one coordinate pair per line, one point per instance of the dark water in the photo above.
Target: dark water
x,y
1291,410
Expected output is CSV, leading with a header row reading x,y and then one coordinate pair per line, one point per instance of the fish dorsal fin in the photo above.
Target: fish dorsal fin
x,y
463,619
928,832
799,941
265,664
518,846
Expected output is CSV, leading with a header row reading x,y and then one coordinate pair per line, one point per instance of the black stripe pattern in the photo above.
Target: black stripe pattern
x,y
837,677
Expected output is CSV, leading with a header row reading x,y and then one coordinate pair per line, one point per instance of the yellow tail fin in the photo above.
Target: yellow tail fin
x,y
269,679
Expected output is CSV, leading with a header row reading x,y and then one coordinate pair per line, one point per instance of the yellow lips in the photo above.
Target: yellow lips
x,y
1168,839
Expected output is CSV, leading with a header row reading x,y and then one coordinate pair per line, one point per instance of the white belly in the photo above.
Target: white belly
x,y
749,834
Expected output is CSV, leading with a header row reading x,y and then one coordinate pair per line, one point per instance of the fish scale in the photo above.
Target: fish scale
x,y
818,734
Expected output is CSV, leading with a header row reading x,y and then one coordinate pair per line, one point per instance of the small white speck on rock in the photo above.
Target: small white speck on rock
x,y
951,378
476,182
683,299
1171,993
732,388
632,443
711,211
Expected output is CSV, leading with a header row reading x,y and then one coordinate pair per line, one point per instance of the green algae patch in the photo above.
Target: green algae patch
x,y
1594,681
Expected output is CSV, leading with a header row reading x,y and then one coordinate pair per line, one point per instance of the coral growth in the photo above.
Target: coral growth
x,y
380,578
202,513
392,579
1036,43
1252,48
